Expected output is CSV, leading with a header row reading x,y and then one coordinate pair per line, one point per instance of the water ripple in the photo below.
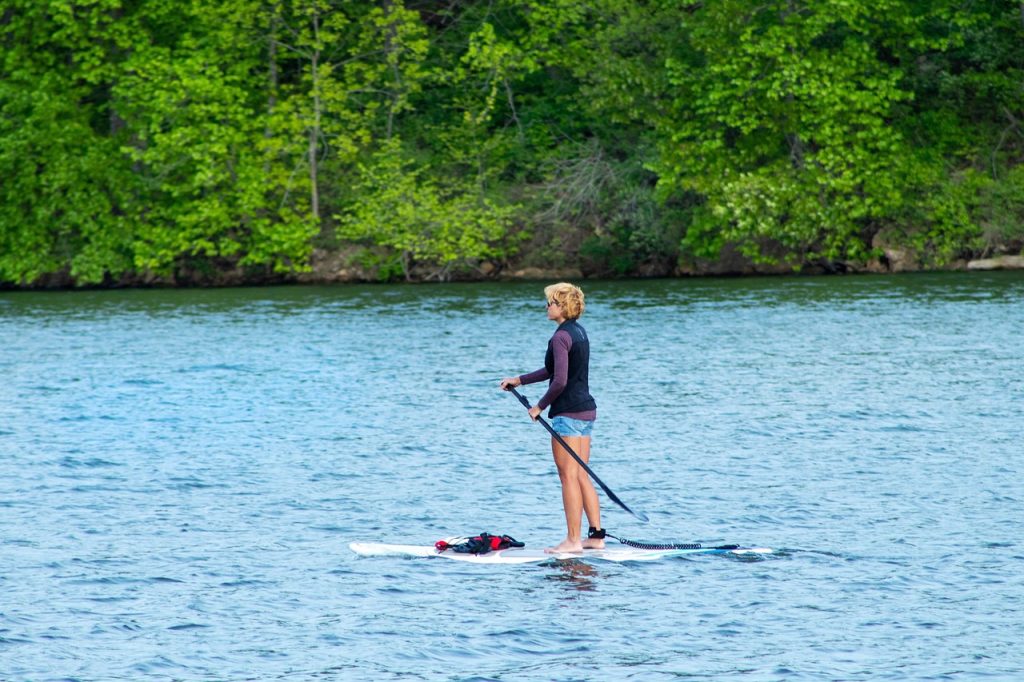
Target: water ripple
x,y
180,509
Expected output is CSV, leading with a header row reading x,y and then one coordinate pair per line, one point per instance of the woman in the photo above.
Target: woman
x,y
573,410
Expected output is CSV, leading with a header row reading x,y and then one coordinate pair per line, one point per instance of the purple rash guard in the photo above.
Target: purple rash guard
x,y
560,344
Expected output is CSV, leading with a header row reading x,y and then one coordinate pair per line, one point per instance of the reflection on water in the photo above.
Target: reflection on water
x,y
575,575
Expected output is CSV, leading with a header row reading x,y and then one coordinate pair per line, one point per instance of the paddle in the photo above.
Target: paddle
x,y
612,496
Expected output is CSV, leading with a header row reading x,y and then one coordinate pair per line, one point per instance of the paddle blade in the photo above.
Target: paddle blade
x,y
615,498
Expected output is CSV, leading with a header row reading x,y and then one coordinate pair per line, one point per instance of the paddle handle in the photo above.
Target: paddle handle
x,y
590,472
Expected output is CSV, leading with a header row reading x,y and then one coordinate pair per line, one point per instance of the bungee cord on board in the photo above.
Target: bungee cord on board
x,y
601,533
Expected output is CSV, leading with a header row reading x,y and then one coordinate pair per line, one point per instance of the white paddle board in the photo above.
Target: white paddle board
x,y
522,555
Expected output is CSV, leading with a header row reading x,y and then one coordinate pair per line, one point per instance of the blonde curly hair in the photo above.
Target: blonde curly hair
x,y
569,298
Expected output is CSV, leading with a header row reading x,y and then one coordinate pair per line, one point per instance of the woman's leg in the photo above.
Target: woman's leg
x,y
578,493
572,498
591,505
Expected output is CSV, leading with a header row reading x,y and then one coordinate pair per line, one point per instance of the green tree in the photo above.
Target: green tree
x,y
781,123
142,138
421,221
65,195
965,69
217,187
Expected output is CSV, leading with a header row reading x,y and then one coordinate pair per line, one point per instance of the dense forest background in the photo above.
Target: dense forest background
x,y
174,141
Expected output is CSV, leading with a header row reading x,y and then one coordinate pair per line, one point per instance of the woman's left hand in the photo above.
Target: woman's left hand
x,y
534,412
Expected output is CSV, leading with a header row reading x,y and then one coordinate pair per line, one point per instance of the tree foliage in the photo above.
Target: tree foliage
x,y
144,140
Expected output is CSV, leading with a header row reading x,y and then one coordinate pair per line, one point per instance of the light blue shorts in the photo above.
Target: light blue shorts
x,y
567,426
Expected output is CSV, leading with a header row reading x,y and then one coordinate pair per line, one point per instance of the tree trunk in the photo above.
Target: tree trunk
x,y
314,130
272,81
389,48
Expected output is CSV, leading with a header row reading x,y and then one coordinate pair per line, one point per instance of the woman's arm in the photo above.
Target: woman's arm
x,y
533,377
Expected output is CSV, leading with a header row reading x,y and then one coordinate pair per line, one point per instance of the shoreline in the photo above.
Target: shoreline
x,y
335,268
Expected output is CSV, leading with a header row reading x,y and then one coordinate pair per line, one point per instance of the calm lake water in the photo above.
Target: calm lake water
x,y
181,473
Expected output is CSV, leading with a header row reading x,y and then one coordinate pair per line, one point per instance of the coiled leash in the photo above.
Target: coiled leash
x,y
601,533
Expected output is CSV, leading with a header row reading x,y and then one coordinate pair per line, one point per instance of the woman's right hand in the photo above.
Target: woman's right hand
x,y
509,382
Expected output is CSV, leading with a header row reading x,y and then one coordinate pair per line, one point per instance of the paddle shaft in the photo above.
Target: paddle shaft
x,y
590,472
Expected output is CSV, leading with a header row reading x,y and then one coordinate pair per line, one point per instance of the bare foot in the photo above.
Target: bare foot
x,y
593,543
566,546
